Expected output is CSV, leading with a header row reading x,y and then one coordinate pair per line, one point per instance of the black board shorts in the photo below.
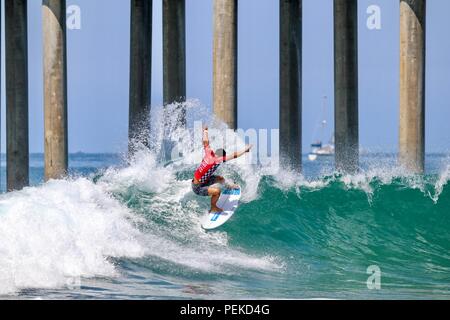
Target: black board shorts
x,y
202,189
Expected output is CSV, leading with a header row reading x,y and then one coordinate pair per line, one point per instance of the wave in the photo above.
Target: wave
x,y
66,229
289,226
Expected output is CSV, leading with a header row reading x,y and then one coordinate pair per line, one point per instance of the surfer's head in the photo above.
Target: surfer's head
x,y
221,153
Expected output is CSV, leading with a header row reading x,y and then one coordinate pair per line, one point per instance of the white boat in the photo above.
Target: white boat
x,y
318,149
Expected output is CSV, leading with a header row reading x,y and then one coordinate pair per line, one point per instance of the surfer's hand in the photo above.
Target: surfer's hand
x,y
205,136
236,154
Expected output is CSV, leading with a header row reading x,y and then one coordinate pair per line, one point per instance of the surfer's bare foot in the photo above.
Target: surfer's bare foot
x,y
215,209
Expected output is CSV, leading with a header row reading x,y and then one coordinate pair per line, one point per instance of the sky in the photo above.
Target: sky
x,y
98,70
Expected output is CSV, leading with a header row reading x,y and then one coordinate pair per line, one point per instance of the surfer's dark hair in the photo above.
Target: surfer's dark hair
x,y
221,152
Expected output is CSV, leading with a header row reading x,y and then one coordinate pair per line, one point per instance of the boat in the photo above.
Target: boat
x,y
318,149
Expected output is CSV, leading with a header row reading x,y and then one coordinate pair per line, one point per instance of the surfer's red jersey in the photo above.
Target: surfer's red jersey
x,y
209,165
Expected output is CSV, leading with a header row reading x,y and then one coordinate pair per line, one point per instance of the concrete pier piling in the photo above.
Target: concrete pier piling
x,y
412,85
346,85
174,53
16,50
225,79
225,61
55,88
291,83
140,71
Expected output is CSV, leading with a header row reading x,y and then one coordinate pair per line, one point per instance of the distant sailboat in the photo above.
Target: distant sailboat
x,y
319,149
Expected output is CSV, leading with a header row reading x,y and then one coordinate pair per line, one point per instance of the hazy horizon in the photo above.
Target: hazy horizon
x,y
98,66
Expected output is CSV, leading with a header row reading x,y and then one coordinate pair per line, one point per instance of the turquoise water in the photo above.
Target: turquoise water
x,y
131,230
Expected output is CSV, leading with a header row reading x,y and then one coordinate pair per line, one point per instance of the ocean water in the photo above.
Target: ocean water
x,y
122,228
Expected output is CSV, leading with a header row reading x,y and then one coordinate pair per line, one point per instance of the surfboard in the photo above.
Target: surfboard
x,y
228,201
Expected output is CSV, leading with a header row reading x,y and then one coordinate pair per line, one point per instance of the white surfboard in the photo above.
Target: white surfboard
x,y
228,201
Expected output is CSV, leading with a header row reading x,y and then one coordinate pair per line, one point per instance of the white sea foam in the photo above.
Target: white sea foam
x,y
370,178
442,181
143,173
70,229
66,229
62,230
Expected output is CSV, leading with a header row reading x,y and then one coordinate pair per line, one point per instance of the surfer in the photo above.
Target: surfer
x,y
204,177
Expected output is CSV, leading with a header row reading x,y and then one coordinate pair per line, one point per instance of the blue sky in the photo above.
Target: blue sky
x,y
98,64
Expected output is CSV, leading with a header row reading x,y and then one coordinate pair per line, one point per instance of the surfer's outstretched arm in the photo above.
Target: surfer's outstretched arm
x,y
205,136
238,154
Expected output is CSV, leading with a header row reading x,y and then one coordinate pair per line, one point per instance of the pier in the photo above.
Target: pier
x,y
55,88
225,61
224,79
16,51
140,71
291,83
346,85
174,53
412,85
